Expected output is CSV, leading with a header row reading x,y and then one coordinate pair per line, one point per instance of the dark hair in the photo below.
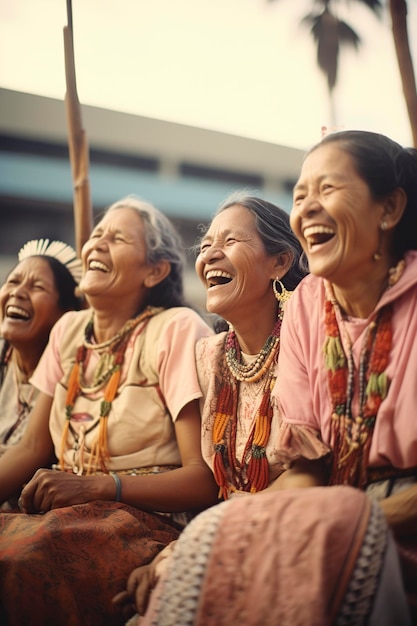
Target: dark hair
x,y
68,300
64,284
162,243
273,227
384,165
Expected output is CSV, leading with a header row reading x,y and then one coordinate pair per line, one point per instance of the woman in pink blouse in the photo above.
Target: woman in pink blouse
x,y
348,362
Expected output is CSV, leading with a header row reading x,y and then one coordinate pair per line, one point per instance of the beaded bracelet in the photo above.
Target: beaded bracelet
x,y
118,486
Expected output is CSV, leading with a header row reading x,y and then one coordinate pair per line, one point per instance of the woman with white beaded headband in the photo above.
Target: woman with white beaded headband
x,y
36,292
117,415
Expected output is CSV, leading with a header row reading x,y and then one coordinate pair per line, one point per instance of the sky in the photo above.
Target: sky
x,y
244,67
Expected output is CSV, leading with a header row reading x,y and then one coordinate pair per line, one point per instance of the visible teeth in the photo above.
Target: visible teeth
x,y
317,230
217,274
16,311
98,265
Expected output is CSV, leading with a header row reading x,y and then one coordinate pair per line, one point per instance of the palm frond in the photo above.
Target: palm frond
x,y
375,5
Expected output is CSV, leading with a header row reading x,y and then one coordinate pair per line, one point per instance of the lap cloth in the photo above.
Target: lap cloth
x,y
304,557
64,567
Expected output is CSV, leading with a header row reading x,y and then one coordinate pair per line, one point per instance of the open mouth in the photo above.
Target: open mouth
x,y
16,313
98,266
315,235
217,277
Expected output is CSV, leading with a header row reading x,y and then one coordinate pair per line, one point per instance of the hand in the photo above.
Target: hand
x,y
135,598
141,582
52,489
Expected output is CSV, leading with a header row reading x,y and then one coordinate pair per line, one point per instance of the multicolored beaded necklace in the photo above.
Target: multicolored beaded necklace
x,y
228,471
110,376
351,437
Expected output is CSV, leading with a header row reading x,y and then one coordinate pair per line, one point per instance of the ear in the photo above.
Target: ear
x,y
281,265
394,207
157,273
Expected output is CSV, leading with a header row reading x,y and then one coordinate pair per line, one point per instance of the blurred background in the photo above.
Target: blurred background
x,y
185,101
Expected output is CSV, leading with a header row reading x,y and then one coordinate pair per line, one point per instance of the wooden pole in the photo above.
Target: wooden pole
x,y
77,143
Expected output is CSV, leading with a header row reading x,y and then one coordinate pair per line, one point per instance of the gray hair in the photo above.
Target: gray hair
x,y
162,243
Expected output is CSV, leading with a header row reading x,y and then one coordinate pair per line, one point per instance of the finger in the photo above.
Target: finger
x,y
143,592
26,497
122,598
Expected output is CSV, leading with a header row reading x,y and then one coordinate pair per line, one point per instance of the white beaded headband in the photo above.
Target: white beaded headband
x,y
57,250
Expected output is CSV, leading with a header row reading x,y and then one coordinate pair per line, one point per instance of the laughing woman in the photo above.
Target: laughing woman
x,y
36,292
118,414
249,262
348,364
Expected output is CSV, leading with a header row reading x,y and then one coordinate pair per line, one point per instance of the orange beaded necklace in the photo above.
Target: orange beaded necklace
x,y
99,455
228,471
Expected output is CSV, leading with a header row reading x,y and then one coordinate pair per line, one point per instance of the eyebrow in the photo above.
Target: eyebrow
x,y
334,175
224,233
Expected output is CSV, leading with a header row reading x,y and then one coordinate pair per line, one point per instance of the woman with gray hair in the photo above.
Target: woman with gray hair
x,y
118,415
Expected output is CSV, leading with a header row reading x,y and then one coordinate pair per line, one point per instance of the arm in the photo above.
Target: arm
x,y
401,511
34,450
190,487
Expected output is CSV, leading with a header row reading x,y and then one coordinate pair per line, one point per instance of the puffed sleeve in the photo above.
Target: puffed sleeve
x,y
301,387
49,371
176,359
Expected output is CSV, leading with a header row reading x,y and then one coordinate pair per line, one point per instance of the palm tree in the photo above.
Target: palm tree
x,y
331,34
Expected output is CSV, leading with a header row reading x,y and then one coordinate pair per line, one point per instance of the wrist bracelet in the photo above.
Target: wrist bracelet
x,y
118,486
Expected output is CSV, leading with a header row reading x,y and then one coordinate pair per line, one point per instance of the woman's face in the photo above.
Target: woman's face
x,y
29,303
234,267
114,257
335,217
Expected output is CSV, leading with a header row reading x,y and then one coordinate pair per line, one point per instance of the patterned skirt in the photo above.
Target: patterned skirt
x,y
64,567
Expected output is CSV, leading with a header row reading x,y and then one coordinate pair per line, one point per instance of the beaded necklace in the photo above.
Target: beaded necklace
x,y
99,452
351,436
228,471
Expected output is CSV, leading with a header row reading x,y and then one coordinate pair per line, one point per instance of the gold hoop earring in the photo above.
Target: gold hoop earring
x,y
281,294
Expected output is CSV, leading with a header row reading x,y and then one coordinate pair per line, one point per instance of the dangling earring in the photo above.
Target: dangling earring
x,y
280,293
378,253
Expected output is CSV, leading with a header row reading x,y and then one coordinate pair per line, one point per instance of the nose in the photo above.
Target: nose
x,y
98,242
211,253
18,291
306,206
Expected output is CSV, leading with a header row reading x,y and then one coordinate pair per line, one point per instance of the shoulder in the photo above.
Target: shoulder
x,y
210,347
69,327
72,319
307,296
181,318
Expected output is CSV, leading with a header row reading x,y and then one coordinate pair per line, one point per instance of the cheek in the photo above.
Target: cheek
x,y
294,221
3,294
85,251
199,267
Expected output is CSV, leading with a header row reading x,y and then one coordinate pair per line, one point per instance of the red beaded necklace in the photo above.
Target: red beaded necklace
x,y
228,471
351,436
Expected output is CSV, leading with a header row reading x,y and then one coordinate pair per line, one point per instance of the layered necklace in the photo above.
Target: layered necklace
x,y
107,377
228,471
351,436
